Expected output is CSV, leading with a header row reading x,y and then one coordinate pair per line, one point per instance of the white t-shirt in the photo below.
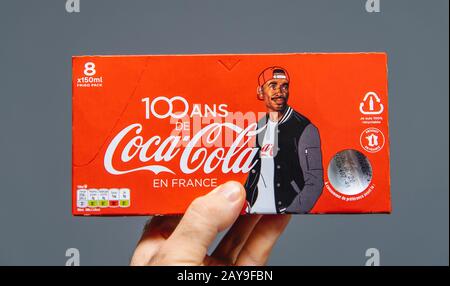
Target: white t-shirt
x,y
265,202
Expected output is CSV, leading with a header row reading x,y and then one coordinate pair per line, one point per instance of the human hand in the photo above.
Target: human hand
x,y
175,240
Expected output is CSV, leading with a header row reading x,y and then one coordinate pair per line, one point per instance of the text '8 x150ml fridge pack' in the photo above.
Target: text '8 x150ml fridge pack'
x,y
304,133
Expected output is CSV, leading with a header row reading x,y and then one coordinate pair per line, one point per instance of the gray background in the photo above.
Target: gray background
x,y
38,38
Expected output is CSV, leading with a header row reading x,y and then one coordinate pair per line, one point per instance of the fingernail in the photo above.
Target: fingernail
x,y
232,192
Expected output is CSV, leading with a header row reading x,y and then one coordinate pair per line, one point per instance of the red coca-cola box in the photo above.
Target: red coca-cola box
x,y
304,133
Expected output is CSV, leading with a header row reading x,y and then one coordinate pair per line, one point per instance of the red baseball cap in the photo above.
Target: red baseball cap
x,y
272,73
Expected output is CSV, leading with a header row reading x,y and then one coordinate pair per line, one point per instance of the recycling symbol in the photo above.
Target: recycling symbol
x,y
371,104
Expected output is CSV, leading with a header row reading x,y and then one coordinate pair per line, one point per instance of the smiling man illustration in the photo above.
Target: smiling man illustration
x,y
288,173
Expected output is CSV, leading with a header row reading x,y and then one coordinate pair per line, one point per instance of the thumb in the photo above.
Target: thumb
x,y
204,219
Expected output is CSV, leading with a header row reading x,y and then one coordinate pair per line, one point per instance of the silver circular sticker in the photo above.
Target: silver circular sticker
x,y
350,172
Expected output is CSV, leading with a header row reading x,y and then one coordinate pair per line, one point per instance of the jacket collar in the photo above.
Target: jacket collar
x,y
285,117
287,114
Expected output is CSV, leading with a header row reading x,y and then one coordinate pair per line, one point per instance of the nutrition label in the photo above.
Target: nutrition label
x,y
103,198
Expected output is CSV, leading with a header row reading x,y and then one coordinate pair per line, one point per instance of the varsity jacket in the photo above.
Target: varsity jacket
x,y
298,171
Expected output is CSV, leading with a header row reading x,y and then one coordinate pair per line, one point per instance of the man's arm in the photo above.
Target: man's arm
x,y
310,158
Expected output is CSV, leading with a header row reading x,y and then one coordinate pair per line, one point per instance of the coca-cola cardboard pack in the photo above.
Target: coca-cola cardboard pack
x,y
304,133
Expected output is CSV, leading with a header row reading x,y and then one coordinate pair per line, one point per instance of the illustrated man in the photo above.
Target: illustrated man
x,y
288,173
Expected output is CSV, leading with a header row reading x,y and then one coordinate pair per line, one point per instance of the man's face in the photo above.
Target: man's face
x,y
275,94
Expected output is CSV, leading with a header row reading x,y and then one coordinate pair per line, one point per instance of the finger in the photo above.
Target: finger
x,y
204,219
156,231
231,245
257,249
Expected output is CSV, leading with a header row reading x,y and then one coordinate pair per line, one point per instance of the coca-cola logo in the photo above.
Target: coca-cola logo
x,y
235,158
267,150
